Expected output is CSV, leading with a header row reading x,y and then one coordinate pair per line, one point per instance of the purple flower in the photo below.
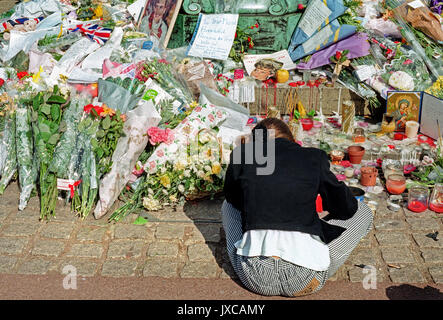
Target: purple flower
x,y
437,6
72,15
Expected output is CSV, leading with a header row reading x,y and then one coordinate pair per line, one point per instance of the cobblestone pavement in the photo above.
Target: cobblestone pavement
x,y
189,243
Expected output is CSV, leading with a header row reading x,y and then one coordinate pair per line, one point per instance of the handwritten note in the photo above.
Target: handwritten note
x,y
213,36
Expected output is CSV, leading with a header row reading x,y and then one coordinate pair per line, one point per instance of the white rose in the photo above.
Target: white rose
x,y
181,188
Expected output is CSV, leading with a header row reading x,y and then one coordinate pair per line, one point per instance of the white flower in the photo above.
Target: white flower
x,y
150,191
165,192
151,204
187,173
208,169
173,198
163,170
201,174
181,188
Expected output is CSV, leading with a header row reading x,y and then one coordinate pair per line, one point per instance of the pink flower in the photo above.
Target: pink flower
x,y
157,135
198,109
345,163
138,172
160,153
169,136
152,165
211,117
219,114
407,61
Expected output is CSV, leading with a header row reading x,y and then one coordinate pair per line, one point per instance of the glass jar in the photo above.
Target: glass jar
x,y
396,184
359,135
418,199
436,202
392,169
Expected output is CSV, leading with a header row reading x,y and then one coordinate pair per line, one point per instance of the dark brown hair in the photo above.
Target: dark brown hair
x,y
281,128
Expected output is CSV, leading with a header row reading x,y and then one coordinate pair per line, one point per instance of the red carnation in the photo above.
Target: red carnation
x,y
337,55
2,82
22,74
300,6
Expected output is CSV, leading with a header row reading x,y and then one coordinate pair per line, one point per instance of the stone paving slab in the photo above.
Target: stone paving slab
x,y
189,242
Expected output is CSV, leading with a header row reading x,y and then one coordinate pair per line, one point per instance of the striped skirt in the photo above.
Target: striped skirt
x,y
276,277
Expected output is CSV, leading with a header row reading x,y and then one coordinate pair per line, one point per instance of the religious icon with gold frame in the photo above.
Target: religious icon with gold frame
x,y
403,106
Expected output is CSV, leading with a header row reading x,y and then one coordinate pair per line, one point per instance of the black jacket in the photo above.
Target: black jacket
x,y
285,200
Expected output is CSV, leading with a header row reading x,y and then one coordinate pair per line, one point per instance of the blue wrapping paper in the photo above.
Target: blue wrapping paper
x,y
318,14
330,34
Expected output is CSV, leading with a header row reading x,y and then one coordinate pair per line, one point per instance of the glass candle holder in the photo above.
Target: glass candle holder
x,y
359,135
436,202
392,169
418,199
388,123
396,184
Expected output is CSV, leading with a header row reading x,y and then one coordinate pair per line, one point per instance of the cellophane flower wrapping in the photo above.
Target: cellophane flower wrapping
x,y
67,144
27,163
10,163
202,117
129,148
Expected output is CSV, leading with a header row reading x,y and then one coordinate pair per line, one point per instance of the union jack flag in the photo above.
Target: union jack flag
x,y
93,32
15,22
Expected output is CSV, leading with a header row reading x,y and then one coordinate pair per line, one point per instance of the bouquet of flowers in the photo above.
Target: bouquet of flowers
x,y
46,117
163,72
8,156
195,173
99,130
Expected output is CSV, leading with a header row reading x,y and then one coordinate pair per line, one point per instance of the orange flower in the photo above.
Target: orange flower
x,y
123,117
107,111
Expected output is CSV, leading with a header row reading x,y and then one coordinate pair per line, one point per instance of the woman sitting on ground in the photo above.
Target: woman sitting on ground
x,y
276,241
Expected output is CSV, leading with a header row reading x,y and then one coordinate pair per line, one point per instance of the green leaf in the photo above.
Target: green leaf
x,y
63,126
44,128
106,123
45,136
140,221
45,109
54,139
34,116
100,133
99,152
56,99
55,112
94,143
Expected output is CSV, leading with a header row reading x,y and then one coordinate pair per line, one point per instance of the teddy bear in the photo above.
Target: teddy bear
x,y
28,25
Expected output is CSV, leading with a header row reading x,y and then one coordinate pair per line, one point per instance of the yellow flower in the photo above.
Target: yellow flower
x,y
165,181
107,111
98,12
193,105
173,198
216,168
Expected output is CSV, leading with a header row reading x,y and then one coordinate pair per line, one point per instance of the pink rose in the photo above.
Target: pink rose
x,y
211,117
198,109
219,114
152,165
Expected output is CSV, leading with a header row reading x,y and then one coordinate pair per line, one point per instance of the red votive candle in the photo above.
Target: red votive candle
x,y
418,199
417,206
396,184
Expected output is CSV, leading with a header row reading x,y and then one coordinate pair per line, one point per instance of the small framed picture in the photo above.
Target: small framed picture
x,y
157,20
404,106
